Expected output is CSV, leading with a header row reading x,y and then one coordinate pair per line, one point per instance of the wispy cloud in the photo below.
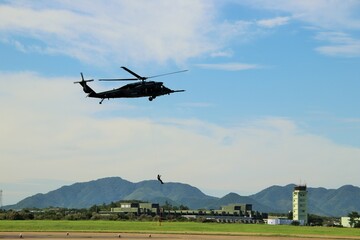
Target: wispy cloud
x,y
330,15
340,44
332,20
224,53
163,32
233,66
273,22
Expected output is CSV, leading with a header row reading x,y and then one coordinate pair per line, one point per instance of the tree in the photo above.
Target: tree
x,y
167,206
94,209
315,220
354,219
290,215
183,207
295,223
14,215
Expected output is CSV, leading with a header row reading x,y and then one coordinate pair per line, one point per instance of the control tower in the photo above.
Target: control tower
x,y
300,212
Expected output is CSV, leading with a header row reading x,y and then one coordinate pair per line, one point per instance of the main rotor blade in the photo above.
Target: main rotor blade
x,y
167,74
136,75
118,79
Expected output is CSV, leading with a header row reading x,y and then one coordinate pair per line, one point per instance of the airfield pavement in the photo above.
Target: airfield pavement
x,y
133,236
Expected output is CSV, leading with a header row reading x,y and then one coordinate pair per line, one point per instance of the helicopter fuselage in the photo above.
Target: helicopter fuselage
x,y
133,90
149,89
142,88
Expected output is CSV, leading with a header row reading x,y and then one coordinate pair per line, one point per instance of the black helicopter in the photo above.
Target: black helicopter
x,y
142,88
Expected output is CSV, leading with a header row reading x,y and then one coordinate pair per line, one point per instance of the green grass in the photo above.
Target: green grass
x,y
172,227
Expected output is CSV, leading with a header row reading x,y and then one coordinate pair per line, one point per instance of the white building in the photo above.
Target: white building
x,y
278,221
345,221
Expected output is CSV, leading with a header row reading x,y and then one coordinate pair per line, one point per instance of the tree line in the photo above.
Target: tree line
x,y
100,212
95,212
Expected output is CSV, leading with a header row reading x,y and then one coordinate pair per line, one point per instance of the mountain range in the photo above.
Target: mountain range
x,y
274,199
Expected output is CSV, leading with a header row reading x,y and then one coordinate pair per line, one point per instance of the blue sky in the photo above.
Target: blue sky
x,y
272,93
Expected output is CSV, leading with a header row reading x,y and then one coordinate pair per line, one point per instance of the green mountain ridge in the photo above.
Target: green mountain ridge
x,y
274,199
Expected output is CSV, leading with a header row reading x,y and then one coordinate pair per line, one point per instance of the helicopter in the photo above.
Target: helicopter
x,y
142,88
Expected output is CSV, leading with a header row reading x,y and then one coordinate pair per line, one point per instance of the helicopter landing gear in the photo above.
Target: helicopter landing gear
x,y
101,101
151,98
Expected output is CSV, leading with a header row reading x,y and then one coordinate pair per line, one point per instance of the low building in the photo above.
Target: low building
x,y
282,221
345,221
137,208
236,208
230,213
278,221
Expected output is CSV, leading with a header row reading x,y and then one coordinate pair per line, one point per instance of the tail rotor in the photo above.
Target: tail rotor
x,y
83,82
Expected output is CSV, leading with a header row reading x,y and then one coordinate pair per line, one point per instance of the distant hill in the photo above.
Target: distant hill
x,y
107,190
336,202
178,193
81,195
321,201
235,198
325,202
277,197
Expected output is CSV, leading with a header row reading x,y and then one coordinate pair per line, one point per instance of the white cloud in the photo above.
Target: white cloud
x,y
49,131
340,44
330,16
233,66
273,22
156,31
98,32
225,53
118,30
327,14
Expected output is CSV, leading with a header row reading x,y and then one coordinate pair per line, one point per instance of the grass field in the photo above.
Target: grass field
x,y
173,227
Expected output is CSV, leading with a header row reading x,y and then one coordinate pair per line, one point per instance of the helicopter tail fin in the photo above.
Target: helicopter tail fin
x,y
86,88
